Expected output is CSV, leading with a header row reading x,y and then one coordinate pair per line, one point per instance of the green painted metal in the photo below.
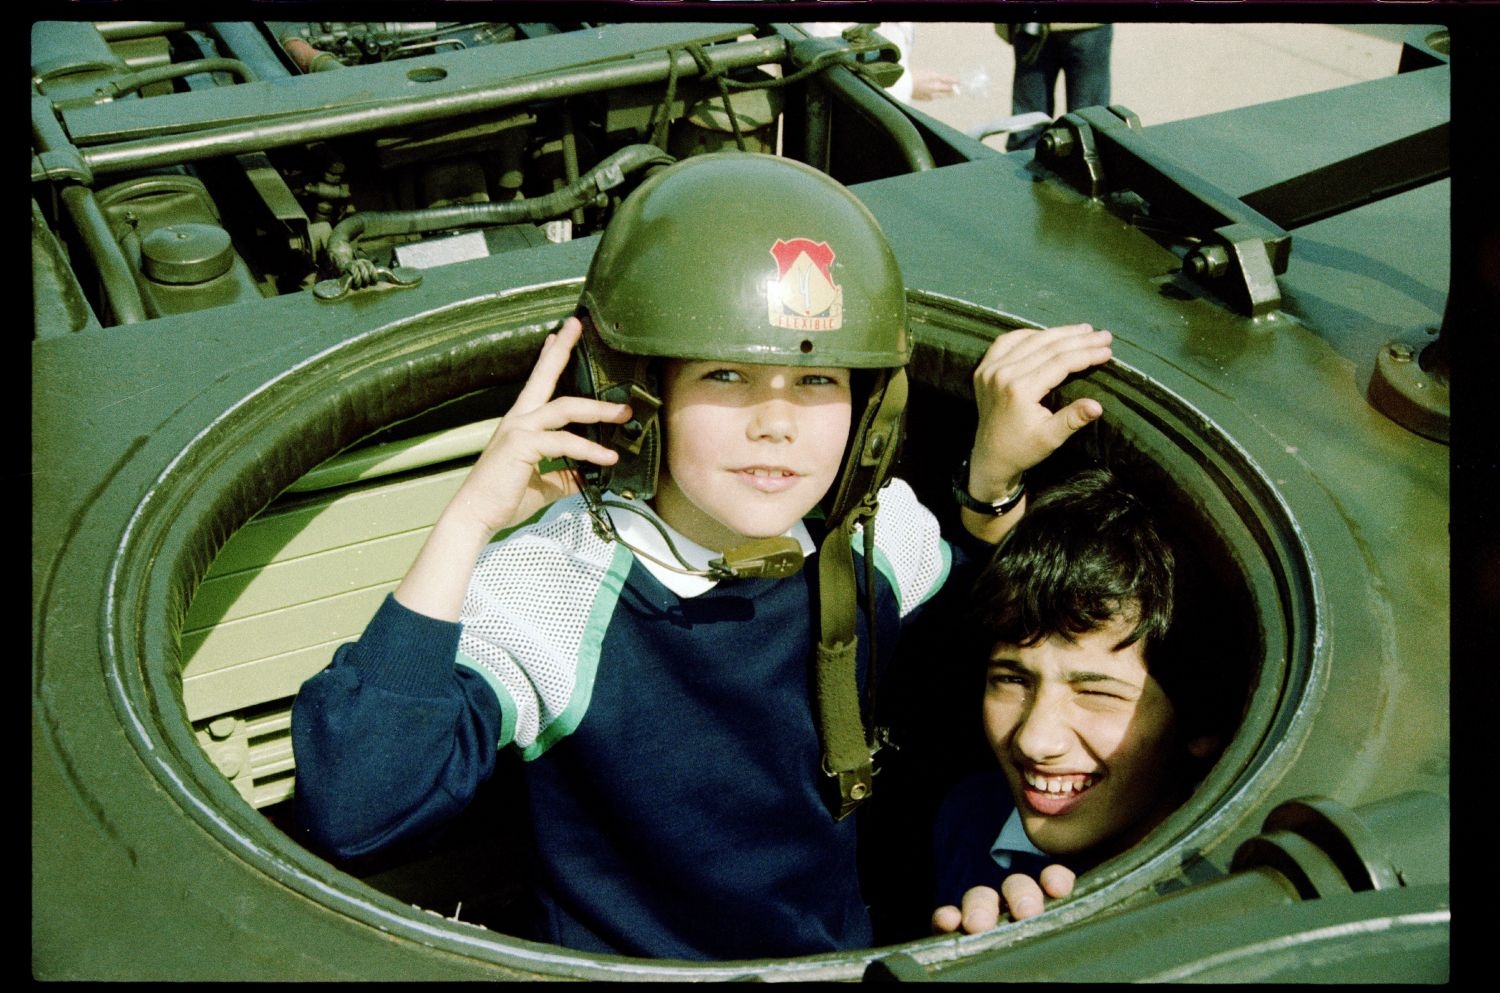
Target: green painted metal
x,y
200,544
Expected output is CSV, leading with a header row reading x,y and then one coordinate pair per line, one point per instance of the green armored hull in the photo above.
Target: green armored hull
x,y
248,408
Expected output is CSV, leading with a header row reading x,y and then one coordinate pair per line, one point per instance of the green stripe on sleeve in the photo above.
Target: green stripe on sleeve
x,y
507,705
610,587
885,568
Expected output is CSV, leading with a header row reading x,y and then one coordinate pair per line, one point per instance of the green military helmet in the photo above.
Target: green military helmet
x,y
744,257
749,257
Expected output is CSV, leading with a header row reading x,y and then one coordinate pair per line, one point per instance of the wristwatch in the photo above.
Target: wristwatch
x,y
995,509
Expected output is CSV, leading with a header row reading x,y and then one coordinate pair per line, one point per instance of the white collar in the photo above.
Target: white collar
x,y
637,532
1011,841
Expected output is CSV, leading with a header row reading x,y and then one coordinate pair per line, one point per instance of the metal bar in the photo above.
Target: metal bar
x,y
1392,168
862,98
325,124
818,127
1132,161
114,271
245,42
115,274
123,30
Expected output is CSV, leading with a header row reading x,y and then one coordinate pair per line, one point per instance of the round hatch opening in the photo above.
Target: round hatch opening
x,y
191,580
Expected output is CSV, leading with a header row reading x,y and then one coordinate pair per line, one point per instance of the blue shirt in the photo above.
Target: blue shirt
x,y
978,839
672,759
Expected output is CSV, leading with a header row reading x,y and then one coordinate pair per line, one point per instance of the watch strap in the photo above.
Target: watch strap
x,y
992,509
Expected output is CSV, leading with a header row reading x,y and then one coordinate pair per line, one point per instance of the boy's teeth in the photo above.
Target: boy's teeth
x,y
1059,784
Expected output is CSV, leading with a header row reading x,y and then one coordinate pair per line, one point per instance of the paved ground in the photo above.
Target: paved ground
x,y
1168,71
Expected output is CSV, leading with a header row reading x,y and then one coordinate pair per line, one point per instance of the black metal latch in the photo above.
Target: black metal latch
x,y
1240,245
1239,251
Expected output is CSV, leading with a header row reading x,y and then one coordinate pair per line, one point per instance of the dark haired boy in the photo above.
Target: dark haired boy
x,y
1091,705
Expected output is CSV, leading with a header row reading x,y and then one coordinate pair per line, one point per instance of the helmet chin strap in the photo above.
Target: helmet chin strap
x,y
848,747
760,558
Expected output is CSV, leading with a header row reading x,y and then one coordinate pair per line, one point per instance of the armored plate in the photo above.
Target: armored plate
x,y
230,376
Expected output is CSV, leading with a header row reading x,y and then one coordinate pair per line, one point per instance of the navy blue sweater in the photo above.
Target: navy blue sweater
x,y
672,778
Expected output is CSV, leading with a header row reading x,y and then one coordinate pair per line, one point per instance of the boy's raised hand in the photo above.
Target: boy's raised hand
x,y
1016,429
1020,896
1017,371
506,486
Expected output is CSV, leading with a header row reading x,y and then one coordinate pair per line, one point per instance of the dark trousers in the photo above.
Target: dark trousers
x,y
1082,57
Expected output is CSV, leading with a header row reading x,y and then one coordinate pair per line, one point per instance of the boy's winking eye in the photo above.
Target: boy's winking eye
x,y
1012,675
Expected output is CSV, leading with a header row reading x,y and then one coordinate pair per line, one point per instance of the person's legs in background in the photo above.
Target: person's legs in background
x,y
1085,62
1081,56
1034,84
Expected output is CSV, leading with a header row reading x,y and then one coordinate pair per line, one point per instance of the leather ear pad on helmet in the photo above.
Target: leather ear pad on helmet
x,y
598,371
874,446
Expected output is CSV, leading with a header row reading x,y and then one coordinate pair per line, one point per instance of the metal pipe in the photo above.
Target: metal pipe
x,y
125,85
879,111
121,30
608,174
818,127
570,160
115,275
322,125
114,272
308,58
245,42
146,77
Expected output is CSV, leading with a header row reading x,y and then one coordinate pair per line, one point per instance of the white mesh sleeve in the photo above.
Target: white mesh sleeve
x,y
532,618
909,547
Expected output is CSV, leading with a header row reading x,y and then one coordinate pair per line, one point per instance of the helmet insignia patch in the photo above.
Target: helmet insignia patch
x,y
802,295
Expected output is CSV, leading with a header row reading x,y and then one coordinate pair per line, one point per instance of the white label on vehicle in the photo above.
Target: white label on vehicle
x,y
442,251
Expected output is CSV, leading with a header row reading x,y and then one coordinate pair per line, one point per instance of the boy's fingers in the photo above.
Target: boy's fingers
x,y
566,445
528,437
1036,367
1023,896
556,350
1057,428
1037,374
530,444
1076,415
946,920
981,910
567,410
1024,344
1057,881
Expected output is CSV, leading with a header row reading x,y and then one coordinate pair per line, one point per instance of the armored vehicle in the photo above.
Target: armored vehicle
x,y
286,275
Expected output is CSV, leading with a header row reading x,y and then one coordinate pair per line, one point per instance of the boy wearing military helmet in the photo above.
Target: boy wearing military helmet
x,y
645,640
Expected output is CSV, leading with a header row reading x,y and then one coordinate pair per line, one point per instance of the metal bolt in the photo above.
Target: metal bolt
x,y
1399,351
1056,142
1209,260
229,759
